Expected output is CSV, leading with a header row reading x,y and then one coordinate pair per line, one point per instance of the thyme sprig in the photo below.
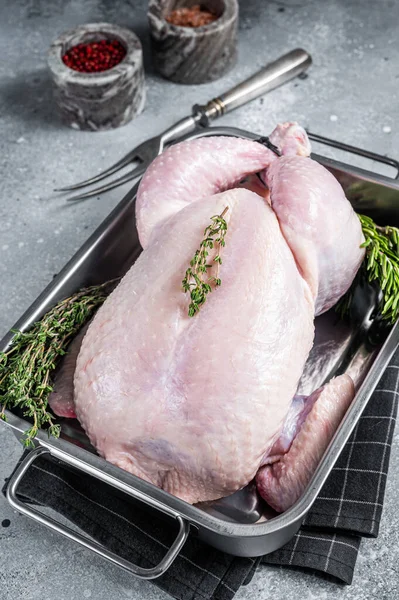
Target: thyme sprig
x,y
381,264
26,367
196,280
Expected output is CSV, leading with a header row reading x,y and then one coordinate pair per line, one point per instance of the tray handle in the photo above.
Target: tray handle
x,y
385,160
67,532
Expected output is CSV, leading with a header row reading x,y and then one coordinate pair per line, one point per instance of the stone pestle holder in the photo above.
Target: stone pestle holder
x,y
103,100
193,55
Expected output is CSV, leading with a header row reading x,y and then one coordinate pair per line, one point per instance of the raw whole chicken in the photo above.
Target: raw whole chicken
x,y
201,405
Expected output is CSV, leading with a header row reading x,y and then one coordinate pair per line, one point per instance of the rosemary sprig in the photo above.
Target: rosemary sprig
x,y
381,264
25,369
196,281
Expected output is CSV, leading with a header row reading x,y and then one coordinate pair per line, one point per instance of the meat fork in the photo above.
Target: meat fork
x,y
271,76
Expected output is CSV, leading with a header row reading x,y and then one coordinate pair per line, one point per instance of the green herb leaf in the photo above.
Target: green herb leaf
x,y
381,264
26,367
194,280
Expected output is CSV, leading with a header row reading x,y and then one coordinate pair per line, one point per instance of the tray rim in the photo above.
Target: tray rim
x,y
60,448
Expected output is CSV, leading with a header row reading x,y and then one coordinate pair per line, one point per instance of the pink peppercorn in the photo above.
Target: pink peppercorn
x,y
95,56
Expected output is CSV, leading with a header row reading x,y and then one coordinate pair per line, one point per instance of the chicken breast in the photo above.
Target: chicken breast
x,y
193,404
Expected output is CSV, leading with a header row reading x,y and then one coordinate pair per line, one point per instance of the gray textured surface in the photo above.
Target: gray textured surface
x,y
351,94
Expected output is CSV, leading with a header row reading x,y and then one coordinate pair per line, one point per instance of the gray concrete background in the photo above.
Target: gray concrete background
x,y
351,94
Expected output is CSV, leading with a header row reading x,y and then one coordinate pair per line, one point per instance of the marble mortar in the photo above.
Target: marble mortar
x,y
193,55
104,100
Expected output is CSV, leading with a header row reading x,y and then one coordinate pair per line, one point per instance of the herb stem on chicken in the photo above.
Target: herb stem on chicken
x,y
194,281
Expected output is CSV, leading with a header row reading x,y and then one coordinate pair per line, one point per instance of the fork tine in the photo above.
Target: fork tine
x,y
112,184
130,157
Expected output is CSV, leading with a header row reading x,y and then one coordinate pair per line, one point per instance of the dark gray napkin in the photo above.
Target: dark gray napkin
x,y
348,508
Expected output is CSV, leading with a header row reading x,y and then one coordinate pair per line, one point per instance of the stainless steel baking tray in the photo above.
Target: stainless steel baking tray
x,y
241,524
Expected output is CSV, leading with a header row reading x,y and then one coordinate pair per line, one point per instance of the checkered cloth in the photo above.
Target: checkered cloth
x,y
349,507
